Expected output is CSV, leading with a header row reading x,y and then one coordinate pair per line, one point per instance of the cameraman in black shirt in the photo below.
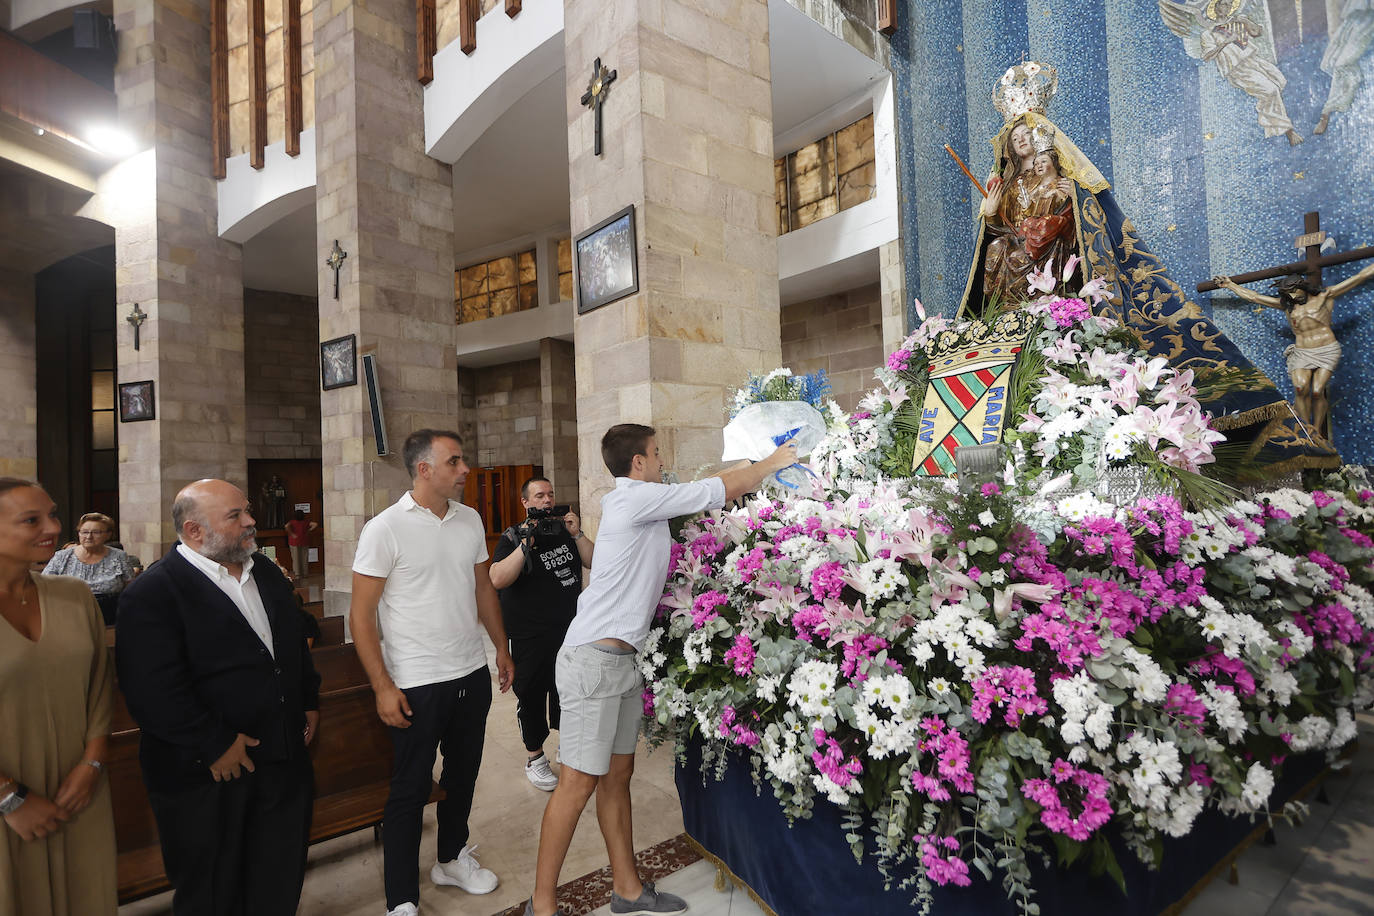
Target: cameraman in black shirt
x,y
537,570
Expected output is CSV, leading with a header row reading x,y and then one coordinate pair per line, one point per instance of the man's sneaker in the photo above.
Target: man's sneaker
x,y
540,775
405,909
464,872
651,902
529,909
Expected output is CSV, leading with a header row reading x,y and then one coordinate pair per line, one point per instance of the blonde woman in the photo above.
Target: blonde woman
x,y
104,568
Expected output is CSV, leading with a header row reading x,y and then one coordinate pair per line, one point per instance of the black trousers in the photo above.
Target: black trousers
x,y
537,708
238,848
451,717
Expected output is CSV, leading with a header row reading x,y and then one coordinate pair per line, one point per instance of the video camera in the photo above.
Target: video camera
x,y
543,525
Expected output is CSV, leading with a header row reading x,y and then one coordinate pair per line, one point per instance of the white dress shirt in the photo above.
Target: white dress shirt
x,y
243,591
633,546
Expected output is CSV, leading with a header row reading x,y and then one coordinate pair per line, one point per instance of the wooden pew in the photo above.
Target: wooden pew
x,y
352,760
331,632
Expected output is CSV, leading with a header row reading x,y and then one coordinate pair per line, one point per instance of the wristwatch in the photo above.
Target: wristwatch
x,y
11,802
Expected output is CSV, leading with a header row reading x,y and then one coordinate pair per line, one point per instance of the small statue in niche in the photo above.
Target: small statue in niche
x,y
1313,357
273,509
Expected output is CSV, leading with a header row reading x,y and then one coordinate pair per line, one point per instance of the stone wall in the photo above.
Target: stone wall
x,y
391,208
18,371
281,374
506,411
689,140
170,259
841,334
558,426
853,20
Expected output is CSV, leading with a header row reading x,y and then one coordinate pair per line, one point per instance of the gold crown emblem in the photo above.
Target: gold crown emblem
x,y
980,342
1028,86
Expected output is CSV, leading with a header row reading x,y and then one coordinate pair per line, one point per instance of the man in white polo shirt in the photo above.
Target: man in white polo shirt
x,y
421,573
599,685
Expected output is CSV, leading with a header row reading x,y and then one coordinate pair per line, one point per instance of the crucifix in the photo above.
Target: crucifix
x,y
334,262
136,319
1313,357
595,96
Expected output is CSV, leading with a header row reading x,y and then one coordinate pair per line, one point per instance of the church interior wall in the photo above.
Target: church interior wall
x,y
505,414
18,365
281,375
841,334
1183,148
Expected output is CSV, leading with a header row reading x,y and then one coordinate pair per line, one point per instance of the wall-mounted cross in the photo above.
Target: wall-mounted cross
x,y
595,96
334,262
136,319
1312,263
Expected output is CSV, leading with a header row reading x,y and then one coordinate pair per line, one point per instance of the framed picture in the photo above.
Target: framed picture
x,y
606,264
339,362
136,401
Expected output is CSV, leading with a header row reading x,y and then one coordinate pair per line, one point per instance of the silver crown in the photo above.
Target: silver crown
x,y
1028,86
1042,138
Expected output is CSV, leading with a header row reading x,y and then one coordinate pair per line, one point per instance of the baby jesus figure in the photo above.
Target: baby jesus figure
x,y
1049,208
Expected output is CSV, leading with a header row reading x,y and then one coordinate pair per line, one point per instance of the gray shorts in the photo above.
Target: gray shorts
x,y
601,695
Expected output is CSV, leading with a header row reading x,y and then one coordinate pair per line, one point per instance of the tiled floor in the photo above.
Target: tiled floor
x,y
1323,867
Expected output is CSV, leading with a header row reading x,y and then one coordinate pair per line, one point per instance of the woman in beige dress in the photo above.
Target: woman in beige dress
x,y
58,852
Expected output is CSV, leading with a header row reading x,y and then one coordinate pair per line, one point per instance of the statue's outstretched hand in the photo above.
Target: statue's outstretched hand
x,y
1220,280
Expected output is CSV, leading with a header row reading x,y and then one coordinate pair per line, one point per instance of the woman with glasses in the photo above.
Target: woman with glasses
x,y
104,568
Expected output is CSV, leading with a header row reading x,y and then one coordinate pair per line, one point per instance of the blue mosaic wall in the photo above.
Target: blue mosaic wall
x,y
1182,147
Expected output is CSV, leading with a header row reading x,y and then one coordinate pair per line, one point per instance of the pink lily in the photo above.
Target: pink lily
x,y
1042,281
1095,290
1069,266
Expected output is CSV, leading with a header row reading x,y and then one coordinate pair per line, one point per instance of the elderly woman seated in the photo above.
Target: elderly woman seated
x,y
104,568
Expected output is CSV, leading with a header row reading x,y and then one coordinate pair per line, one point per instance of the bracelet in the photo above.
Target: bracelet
x,y
94,764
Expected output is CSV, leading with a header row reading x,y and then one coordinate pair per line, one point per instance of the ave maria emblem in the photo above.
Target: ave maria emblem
x,y
970,379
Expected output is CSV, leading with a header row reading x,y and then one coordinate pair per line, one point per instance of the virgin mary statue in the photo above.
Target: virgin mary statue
x,y
1047,202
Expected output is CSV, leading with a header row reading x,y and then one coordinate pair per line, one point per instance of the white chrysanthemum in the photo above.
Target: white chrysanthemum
x,y
1344,732
1310,733
1225,709
812,688
1259,784
1079,506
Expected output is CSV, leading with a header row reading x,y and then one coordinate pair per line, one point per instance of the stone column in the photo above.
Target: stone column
x,y
391,208
558,422
894,298
170,260
18,376
688,139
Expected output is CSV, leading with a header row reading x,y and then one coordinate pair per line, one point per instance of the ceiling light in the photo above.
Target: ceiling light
x,y
111,141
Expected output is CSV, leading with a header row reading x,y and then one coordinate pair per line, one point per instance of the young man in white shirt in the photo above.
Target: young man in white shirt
x,y
421,573
599,685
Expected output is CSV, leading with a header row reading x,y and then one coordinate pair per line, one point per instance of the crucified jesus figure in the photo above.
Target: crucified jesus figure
x,y
1312,359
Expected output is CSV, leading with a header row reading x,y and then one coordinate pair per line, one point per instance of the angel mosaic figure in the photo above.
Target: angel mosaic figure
x,y
1313,358
1351,36
1047,207
1237,36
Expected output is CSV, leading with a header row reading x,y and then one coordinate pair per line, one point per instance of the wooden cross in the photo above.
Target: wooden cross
x,y
136,319
1313,261
334,262
595,96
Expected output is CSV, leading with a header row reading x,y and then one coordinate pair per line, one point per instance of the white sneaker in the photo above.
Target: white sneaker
x,y
464,872
405,909
540,775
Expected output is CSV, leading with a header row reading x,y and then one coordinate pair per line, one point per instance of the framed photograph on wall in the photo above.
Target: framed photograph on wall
x,y
136,402
339,362
606,264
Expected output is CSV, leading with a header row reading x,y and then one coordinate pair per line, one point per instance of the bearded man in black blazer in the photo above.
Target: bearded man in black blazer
x,y
213,664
